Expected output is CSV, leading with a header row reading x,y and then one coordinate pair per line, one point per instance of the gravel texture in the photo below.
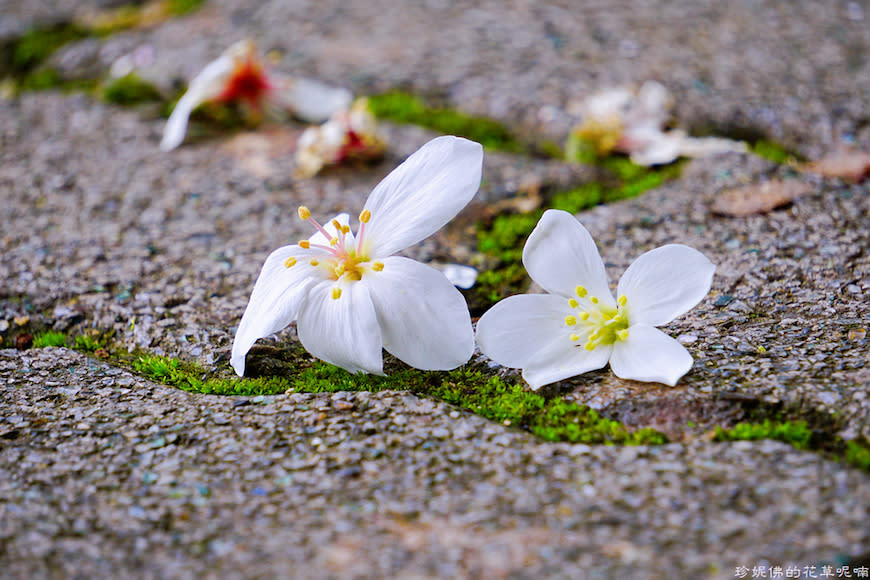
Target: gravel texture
x,y
103,474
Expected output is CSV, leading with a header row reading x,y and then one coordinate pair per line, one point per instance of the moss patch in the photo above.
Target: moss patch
x,y
773,152
406,108
801,436
49,338
130,89
467,388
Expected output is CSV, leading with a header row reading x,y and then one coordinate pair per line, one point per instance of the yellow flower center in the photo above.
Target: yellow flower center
x,y
594,322
343,259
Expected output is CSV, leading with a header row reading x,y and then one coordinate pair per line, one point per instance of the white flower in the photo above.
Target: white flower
x,y
579,327
350,297
347,135
239,75
633,123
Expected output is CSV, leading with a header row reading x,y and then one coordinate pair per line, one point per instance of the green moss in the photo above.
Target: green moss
x,y
795,433
46,78
550,418
858,455
405,108
91,341
130,89
773,152
801,436
182,7
36,45
49,338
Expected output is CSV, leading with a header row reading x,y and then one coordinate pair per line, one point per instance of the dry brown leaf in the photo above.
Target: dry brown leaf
x,y
758,197
851,165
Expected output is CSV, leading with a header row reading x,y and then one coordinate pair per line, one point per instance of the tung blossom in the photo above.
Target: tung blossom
x,y
579,326
239,75
633,123
351,297
347,135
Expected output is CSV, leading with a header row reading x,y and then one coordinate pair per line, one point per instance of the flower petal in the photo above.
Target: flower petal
x,y
665,283
203,87
308,99
512,331
342,331
560,255
423,317
562,359
275,300
650,355
422,194
528,331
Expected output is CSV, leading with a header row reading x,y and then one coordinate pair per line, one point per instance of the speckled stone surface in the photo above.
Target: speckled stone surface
x,y
103,473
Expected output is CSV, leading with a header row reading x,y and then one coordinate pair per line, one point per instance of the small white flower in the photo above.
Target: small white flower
x,y
633,123
239,75
351,297
347,135
578,326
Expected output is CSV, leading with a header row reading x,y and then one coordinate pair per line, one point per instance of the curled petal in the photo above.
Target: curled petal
x,y
650,355
422,194
664,283
423,317
342,331
205,86
275,300
561,255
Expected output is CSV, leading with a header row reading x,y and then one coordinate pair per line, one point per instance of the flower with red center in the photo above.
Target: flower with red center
x,y
239,75
351,297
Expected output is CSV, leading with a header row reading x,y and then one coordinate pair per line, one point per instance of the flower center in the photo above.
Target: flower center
x,y
247,82
594,322
343,259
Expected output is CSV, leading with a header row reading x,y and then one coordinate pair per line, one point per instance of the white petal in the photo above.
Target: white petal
x,y
561,255
205,86
652,147
310,100
275,301
704,146
341,331
460,276
650,355
423,317
422,194
512,331
562,359
665,283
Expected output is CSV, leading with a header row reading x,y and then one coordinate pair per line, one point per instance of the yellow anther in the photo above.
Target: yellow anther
x,y
304,212
377,266
590,346
339,269
290,262
593,300
314,263
336,224
336,293
305,244
622,334
333,241
574,337
581,291
584,316
570,320
345,229
573,303
622,300
365,216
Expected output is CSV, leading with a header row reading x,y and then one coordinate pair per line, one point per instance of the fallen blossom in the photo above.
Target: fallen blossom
x,y
351,297
579,326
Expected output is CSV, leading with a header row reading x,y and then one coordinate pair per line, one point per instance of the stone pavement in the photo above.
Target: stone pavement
x,y
104,474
